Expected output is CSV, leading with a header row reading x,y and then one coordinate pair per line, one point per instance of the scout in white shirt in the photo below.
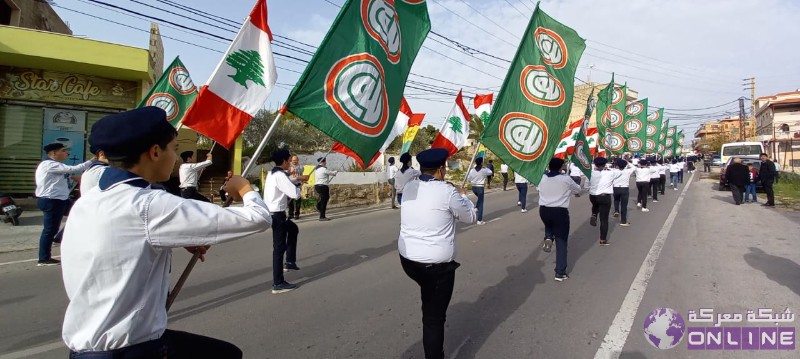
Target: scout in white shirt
x,y
654,178
278,188
404,176
118,242
643,184
477,177
52,190
662,176
322,178
674,168
601,188
504,173
427,242
391,173
622,179
91,177
189,173
522,188
555,191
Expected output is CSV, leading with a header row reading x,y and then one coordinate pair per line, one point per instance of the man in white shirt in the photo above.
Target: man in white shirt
x,y
654,178
504,173
575,173
427,242
555,191
601,188
643,184
391,172
322,179
91,177
674,168
278,188
522,188
189,174
117,248
477,177
52,192
662,176
622,179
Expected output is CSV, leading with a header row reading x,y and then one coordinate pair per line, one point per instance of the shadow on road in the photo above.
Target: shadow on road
x,y
778,269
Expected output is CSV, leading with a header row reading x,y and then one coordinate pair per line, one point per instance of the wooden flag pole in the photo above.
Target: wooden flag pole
x,y
264,140
477,149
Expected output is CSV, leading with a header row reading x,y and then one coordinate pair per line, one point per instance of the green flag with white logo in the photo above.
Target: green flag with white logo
x,y
679,138
611,116
174,92
535,100
634,129
663,137
653,131
582,156
352,88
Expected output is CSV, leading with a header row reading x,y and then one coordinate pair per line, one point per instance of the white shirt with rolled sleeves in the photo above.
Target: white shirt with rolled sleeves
x,y
391,171
622,177
278,188
323,176
428,221
478,178
556,191
116,258
52,178
189,173
602,182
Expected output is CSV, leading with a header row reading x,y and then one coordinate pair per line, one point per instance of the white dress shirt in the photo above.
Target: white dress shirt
x,y
116,256
503,168
662,170
52,178
556,191
323,176
392,171
642,174
519,179
278,188
622,177
402,178
674,168
189,173
574,171
428,221
478,178
602,182
654,171
91,177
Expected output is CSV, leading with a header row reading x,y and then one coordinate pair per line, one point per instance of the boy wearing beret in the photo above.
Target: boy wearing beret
x,y
555,191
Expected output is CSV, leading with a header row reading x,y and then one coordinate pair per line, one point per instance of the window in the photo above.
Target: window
x,y
784,127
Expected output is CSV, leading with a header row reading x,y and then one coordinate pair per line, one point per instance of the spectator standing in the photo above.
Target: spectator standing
x,y
391,173
296,175
322,179
768,176
489,179
751,186
738,177
504,173
707,161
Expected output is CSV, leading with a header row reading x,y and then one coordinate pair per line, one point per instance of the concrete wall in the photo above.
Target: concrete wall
x,y
37,15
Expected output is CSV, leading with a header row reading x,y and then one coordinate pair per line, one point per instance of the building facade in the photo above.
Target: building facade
x,y
778,125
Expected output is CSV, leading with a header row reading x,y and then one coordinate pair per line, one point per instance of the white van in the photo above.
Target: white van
x,y
741,149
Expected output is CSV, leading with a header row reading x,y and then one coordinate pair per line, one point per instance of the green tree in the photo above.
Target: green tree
x,y
292,133
248,66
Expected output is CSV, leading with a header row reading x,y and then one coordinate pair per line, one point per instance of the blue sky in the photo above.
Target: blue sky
x,y
684,55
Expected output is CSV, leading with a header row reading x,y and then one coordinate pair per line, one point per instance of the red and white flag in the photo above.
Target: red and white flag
x,y
593,138
566,145
239,85
455,129
483,106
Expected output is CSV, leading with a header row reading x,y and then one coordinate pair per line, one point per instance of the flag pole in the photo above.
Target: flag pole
x,y
477,149
264,140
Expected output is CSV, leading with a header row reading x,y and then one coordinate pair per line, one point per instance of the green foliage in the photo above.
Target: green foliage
x,y
292,133
787,190
422,142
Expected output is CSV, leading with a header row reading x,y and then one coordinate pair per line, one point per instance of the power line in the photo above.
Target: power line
x,y
490,20
476,26
515,8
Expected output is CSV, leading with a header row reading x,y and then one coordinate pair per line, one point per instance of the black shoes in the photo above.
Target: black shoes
x,y
290,266
323,219
283,287
593,221
604,243
49,262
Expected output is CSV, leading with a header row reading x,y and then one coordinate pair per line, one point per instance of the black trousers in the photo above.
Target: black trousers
x,y
738,193
556,221
505,180
294,207
436,288
284,241
770,192
621,195
324,193
173,344
191,193
662,183
654,188
643,188
706,167
601,205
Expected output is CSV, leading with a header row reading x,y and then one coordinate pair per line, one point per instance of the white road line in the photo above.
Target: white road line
x,y
32,352
23,261
620,328
487,222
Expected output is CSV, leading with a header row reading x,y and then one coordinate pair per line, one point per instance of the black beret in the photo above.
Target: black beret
x,y
405,157
391,160
53,146
321,159
130,133
600,161
432,158
279,156
555,164
479,161
621,163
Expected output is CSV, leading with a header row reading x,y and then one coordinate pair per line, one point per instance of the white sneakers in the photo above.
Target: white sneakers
x,y
638,204
645,210
480,223
524,210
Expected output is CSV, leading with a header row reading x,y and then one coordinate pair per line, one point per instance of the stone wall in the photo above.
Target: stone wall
x,y
350,195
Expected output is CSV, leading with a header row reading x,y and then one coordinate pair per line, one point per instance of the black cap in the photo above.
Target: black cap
x,y
405,158
186,154
391,160
432,158
130,133
479,161
600,161
321,159
621,163
555,164
53,146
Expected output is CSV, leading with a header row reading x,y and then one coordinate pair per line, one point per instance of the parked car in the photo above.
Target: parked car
x,y
716,160
723,182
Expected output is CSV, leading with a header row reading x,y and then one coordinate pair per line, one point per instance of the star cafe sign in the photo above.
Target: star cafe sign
x,y
52,86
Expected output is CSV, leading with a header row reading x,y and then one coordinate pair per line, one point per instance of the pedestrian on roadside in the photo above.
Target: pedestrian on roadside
x,y
504,173
322,179
642,184
707,161
768,176
391,173
682,163
296,175
674,168
522,188
622,180
751,185
52,192
407,174
427,242
555,191
278,188
117,249
477,177
489,179
662,176
738,177
189,173
601,188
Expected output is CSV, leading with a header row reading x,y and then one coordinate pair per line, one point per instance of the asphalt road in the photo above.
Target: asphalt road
x,y
354,301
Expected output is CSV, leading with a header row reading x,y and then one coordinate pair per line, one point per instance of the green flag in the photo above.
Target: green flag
x,y
610,117
535,100
671,142
174,92
653,131
582,156
634,129
679,138
352,88
664,135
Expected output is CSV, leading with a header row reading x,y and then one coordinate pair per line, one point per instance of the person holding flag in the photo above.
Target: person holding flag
x,y
601,188
555,190
622,179
278,188
477,178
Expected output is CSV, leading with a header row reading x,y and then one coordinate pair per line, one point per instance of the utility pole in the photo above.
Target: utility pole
x,y
741,119
750,84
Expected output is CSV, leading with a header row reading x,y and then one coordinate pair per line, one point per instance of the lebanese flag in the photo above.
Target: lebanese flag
x,y
455,129
593,138
404,118
239,85
566,145
483,106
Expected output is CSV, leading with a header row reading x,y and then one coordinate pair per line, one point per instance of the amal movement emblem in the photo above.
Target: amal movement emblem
x,y
540,87
612,118
651,130
552,47
650,145
166,102
381,22
653,117
634,144
617,96
613,141
179,80
355,91
582,157
523,135
633,126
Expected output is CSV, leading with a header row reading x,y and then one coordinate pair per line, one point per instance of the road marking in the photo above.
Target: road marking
x,y
30,352
24,261
487,222
620,328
